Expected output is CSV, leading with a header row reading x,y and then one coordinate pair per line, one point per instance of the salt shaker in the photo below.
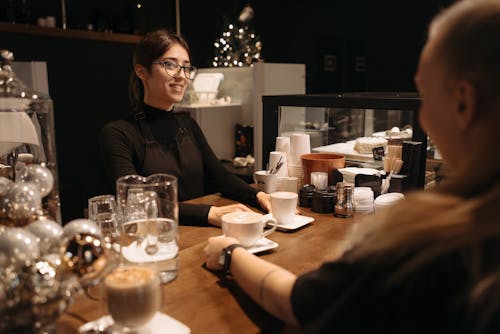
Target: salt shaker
x,y
344,207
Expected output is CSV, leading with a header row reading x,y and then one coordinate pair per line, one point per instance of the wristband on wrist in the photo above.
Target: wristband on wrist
x,y
225,257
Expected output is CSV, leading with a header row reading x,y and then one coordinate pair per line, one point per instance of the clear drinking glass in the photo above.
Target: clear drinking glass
x,y
149,211
103,211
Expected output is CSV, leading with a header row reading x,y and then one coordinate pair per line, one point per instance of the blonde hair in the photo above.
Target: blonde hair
x,y
468,40
463,216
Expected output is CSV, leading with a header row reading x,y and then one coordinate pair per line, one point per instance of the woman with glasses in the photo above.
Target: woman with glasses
x,y
430,264
156,139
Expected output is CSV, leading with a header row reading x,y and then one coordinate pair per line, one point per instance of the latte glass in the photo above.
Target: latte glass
x,y
133,296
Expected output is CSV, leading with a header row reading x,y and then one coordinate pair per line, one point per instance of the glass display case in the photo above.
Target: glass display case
x,y
336,123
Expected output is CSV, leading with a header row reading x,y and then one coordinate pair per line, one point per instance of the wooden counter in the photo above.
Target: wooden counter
x,y
199,299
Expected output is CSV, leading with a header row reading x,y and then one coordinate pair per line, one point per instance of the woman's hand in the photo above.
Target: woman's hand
x,y
214,249
264,200
216,212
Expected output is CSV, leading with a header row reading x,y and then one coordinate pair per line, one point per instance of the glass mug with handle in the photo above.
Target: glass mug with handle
x,y
149,222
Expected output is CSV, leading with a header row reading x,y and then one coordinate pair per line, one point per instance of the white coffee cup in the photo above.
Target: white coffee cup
x,y
247,227
283,206
265,182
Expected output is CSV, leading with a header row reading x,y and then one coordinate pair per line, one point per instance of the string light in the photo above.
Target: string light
x,y
239,45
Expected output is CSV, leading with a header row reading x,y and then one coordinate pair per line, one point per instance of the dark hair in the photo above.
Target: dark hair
x,y
149,49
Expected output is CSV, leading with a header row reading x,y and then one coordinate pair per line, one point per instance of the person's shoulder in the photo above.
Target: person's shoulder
x,y
119,125
186,118
122,129
183,114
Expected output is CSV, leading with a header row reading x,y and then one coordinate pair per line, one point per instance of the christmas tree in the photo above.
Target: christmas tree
x,y
239,45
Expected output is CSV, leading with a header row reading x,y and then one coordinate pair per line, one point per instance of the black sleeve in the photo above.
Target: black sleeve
x,y
194,214
313,292
119,143
228,184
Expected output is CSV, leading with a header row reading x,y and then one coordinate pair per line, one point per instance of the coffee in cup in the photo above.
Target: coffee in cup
x,y
247,227
283,206
133,294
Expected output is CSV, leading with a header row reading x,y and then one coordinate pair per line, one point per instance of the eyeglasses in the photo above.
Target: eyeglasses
x,y
173,69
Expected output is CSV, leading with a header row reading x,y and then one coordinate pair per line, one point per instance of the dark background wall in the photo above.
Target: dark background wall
x,y
88,79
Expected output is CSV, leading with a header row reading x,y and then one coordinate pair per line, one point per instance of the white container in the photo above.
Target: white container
x,y
387,200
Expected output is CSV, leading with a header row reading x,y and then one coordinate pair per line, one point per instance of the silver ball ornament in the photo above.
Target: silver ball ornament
x,y
10,284
5,185
18,247
42,282
22,201
80,226
40,175
48,233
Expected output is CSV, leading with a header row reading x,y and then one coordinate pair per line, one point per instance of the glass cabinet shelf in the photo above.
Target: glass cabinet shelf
x,y
335,122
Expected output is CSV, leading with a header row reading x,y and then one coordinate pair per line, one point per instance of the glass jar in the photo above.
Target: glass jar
x,y
323,200
305,195
26,131
344,208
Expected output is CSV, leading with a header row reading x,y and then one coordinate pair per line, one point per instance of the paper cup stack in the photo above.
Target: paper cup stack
x,y
299,144
283,145
363,200
387,200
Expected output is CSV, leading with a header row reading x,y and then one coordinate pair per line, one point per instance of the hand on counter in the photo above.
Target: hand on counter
x,y
264,200
216,212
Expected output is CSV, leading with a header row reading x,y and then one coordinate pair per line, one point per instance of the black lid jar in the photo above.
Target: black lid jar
x,y
323,200
305,195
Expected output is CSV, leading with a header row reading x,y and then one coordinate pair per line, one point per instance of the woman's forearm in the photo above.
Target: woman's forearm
x,y
268,284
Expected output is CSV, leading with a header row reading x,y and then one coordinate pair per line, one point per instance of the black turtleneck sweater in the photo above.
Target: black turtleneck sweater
x,y
123,148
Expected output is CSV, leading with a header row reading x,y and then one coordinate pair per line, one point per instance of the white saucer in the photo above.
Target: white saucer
x,y
298,222
261,245
159,324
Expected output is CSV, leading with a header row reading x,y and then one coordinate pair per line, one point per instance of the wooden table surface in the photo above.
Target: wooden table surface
x,y
199,299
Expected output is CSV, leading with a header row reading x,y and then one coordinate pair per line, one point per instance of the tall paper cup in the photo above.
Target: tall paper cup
x,y
283,144
300,144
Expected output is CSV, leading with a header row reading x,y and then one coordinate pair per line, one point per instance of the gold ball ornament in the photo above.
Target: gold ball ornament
x,y
84,255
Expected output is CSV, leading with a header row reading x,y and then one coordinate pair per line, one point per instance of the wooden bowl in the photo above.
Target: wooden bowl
x,y
320,162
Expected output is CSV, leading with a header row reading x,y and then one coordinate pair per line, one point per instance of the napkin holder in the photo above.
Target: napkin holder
x,y
372,181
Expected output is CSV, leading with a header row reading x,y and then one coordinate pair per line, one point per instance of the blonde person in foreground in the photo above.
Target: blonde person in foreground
x,y
431,264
